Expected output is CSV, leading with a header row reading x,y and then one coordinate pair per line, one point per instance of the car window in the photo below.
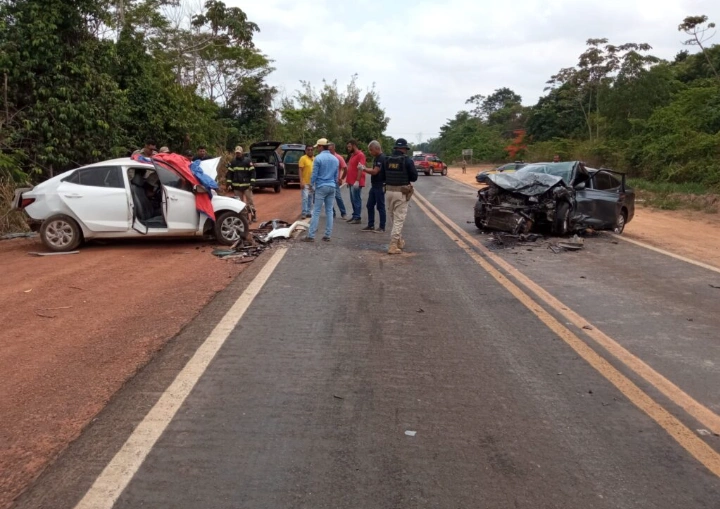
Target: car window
x,y
562,170
603,181
104,176
171,179
292,156
418,158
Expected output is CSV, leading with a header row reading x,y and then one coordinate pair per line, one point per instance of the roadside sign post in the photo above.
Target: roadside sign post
x,y
467,152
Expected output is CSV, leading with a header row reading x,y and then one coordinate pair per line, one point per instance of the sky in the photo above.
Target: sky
x,y
426,58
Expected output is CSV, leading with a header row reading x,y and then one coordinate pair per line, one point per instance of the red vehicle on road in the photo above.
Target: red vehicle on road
x,y
429,164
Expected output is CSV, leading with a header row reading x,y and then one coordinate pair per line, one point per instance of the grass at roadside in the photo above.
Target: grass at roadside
x,y
10,221
669,196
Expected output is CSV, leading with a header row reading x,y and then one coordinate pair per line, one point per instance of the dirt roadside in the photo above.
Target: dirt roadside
x,y
695,235
76,327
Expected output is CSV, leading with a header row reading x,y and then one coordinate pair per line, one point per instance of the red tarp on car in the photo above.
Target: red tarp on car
x,y
181,164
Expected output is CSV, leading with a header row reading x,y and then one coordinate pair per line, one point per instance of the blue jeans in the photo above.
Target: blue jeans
x,y
339,200
376,198
356,200
323,196
307,200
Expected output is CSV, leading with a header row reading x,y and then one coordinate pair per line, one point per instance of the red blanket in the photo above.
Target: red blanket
x,y
181,165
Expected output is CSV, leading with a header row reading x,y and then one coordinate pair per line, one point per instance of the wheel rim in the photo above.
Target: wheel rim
x,y
231,228
59,233
620,224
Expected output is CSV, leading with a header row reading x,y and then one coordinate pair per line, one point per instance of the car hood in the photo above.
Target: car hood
x,y
265,145
528,184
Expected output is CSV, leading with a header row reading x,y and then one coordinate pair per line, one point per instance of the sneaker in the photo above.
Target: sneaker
x,y
350,220
344,216
380,230
356,221
368,229
308,239
326,238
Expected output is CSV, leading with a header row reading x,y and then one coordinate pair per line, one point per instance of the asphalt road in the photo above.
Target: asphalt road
x,y
439,378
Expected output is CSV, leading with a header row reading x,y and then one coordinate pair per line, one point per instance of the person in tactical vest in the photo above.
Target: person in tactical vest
x,y
398,173
240,178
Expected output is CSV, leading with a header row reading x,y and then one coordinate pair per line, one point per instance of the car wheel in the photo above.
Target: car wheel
x,y
231,227
428,173
277,188
444,172
620,223
478,224
60,233
561,226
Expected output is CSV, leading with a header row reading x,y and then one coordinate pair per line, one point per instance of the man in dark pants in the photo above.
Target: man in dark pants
x,y
376,198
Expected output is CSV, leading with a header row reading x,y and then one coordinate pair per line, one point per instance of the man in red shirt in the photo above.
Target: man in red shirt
x,y
341,176
355,180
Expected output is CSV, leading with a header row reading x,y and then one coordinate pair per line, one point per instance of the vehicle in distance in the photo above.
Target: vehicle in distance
x,y
269,170
291,154
565,197
429,164
124,198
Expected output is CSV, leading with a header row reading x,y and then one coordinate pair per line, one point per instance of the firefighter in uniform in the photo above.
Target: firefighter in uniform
x,y
240,178
398,173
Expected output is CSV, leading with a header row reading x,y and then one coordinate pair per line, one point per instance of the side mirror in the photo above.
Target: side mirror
x,y
580,186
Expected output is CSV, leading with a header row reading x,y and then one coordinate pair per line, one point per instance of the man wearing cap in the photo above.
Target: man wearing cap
x,y
305,170
398,172
324,179
240,177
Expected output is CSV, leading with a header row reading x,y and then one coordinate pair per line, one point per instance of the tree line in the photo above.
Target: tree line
x,y
619,106
88,80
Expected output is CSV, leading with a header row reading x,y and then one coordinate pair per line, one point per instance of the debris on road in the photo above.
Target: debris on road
x,y
411,433
246,250
53,254
715,286
574,244
10,236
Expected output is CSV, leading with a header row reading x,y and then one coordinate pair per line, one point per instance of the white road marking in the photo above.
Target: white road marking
x,y
668,253
117,474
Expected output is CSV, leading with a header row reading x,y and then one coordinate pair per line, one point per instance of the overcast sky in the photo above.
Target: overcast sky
x,y
427,57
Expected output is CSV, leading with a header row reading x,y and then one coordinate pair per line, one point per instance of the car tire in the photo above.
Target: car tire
x,y
428,173
561,225
620,222
277,188
478,224
60,233
444,172
231,227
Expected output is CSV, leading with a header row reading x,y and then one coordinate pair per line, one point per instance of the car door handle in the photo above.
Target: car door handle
x,y
73,196
173,198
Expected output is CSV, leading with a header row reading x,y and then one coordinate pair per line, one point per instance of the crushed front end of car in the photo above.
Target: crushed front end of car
x,y
519,203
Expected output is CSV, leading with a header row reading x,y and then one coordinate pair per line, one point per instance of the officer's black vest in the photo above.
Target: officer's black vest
x,y
395,171
242,171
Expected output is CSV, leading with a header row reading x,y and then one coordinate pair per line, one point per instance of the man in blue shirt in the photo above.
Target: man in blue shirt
x,y
324,180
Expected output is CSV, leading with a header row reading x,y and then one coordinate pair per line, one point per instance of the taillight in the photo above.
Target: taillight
x,y
26,201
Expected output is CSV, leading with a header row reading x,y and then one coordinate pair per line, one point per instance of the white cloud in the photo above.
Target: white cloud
x,y
426,58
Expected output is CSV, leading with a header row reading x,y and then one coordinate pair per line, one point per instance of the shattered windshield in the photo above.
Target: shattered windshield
x,y
562,170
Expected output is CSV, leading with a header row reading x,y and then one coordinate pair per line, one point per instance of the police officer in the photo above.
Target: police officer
x,y
240,178
398,173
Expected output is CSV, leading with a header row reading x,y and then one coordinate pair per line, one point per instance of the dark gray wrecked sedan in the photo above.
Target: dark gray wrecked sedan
x,y
562,197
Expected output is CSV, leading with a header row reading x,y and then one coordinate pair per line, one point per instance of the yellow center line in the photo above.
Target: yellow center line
x,y
681,433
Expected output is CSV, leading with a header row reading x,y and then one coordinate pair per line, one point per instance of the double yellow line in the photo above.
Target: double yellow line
x,y
672,425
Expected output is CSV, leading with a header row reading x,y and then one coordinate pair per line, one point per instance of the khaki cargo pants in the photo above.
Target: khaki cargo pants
x,y
397,206
245,194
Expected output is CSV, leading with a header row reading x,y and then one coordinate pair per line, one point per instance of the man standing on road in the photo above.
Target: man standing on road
x,y
343,174
324,179
398,173
355,180
240,177
376,197
305,171
464,166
